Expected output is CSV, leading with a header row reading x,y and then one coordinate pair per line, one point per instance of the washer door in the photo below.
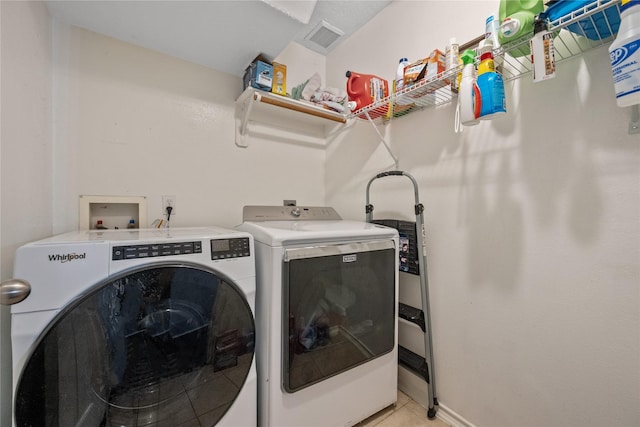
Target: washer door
x,y
164,345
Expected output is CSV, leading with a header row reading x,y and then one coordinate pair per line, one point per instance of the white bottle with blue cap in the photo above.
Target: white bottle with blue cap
x,y
399,82
625,55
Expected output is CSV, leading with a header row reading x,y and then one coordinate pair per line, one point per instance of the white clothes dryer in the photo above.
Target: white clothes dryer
x,y
326,316
136,327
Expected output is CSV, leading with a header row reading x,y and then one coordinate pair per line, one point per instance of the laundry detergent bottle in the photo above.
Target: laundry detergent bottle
x,y
469,101
490,83
365,89
516,21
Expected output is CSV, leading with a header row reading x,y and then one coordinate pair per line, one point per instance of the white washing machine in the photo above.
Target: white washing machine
x,y
136,327
326,310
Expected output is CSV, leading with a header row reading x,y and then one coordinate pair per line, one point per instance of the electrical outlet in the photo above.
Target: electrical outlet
x,y
169,201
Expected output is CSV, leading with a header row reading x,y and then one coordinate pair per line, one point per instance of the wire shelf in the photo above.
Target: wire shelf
x,y
576,32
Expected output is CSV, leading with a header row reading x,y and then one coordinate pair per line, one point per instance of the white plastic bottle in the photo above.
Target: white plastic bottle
x,y
542,51
399,82
469,101
452,58
625,55
400,73
492,28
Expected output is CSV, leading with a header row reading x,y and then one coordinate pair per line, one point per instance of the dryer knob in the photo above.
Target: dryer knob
x,y
295,212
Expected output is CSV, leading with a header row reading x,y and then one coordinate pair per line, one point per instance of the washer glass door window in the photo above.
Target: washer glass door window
x,y
164,345
339,309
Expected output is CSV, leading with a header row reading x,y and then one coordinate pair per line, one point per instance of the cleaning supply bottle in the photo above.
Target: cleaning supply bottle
x,y
132,223
492,28
491,31
468,94
100,226
542,51
625,55
399,80
452,58
490,83
516,21
365,89
399,84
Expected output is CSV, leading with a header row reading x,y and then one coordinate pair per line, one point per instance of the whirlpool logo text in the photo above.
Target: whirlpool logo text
x,y
67,257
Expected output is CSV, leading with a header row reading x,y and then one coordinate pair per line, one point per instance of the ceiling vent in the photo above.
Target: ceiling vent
x,y
324,35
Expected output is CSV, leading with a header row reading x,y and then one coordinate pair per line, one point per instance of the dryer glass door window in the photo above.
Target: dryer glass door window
x,y
166,345
339,309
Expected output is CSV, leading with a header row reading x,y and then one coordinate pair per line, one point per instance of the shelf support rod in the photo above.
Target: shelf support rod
x,y
384,142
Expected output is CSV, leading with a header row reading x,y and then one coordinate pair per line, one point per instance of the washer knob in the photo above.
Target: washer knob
x,y
295,212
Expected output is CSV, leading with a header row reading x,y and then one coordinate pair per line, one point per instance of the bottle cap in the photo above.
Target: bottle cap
x,y
468,57
486,55
539,24
403,60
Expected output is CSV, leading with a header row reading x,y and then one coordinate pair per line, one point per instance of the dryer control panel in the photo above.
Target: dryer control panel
x,y
289,213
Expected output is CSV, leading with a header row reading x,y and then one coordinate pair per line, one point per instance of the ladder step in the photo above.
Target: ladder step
x,y
412,314
413,362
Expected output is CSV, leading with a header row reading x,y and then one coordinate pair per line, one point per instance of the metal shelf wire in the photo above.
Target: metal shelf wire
x,y
576,33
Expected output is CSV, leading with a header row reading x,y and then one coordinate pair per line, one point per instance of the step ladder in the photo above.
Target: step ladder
x,y
424,367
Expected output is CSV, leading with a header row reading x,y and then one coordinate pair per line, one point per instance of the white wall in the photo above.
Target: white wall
x,y
130,121
532,227
532,219
25,150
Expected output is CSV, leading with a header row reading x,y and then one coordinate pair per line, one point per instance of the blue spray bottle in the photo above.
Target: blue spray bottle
x,y
490,83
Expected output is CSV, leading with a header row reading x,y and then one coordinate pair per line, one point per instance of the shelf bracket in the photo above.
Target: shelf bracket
x,y
384,142
241,131
634,122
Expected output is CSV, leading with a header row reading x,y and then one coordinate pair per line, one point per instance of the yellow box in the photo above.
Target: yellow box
x,y
279,85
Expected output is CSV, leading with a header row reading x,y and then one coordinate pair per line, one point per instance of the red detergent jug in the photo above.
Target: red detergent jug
x,y
365,89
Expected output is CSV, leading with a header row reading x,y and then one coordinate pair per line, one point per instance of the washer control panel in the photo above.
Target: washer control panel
x,y
230,248
155,250
220,249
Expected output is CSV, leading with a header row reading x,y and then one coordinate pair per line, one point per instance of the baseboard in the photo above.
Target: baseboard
x,y
415,387
451,417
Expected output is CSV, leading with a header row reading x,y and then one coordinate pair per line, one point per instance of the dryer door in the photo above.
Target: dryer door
x,y
163,345
339,309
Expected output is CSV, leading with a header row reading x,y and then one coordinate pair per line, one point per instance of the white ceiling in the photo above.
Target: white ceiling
x,y
224,35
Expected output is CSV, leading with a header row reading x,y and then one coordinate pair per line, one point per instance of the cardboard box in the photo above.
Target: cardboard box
x,y
414,72
426,68
436,64
259,74
279,85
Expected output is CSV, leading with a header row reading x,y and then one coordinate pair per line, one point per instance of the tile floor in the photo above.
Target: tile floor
x,y
405,413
